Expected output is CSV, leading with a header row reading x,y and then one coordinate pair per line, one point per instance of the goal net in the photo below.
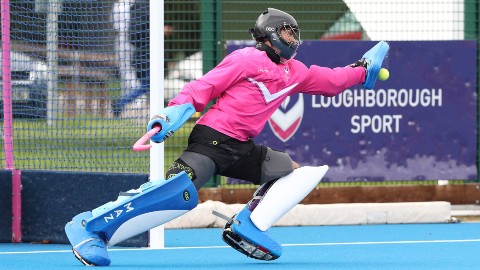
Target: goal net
x,y
79,84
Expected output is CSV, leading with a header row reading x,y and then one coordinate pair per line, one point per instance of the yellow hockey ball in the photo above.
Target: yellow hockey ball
x,y
383,74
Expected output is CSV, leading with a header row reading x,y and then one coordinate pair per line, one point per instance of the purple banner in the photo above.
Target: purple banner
x,y
419,124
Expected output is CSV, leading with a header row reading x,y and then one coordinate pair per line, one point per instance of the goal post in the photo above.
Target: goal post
x,y
156,238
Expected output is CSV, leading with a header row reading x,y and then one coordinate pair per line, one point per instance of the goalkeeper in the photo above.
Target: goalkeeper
x,y
248,85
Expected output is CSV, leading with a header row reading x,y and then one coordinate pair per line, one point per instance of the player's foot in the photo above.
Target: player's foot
x,y
88,247
241,234
374,59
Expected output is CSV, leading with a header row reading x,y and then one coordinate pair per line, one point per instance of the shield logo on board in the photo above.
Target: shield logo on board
x,y
286,120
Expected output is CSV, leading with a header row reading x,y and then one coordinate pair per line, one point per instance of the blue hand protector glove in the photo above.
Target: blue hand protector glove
x,y
372,62
170,120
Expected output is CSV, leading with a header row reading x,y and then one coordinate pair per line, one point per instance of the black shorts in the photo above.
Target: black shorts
x,y
233,158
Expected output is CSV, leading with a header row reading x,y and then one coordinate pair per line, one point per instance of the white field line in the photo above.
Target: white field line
x,y
285,245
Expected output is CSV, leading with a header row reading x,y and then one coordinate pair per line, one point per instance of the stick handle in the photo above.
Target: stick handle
x,y
140,144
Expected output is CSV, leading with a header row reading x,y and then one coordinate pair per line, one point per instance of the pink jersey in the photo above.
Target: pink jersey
x,y
249,87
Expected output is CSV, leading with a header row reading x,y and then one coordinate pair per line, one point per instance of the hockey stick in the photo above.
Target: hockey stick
x,y
140,144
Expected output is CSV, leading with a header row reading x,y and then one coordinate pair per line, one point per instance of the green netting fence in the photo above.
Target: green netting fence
x,y
80,69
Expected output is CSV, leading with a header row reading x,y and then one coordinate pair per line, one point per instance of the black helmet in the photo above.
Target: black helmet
x,y
270,23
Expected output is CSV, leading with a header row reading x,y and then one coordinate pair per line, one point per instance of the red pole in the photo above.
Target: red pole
x,y
16,206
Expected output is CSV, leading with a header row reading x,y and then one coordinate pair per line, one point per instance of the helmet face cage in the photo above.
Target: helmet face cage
x,y
291,30
270,24
288,50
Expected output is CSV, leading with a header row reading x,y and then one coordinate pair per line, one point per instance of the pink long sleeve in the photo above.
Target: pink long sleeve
x,y
249,87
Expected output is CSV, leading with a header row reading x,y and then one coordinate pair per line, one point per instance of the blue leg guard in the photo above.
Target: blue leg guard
x,y
244,236
374,58
154,204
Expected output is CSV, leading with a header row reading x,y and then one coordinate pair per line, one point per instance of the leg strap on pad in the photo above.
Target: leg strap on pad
x,y
155,204
242,235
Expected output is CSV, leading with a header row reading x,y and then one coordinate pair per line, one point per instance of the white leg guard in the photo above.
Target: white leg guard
x,y
284,194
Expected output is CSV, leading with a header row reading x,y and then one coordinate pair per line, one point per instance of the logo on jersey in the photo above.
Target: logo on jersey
x,y
286,120
266,93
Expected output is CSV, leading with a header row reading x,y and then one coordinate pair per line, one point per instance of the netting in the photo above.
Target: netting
x,y
80,69
79,84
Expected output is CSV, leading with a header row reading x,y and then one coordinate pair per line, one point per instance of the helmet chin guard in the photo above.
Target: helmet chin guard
x,y
270,25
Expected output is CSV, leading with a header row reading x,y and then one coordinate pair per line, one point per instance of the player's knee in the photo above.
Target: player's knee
x,y
276,164
295,165
180,166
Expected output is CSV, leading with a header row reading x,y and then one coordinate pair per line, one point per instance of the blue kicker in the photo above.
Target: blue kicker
x,y
249,231
90,245
374,57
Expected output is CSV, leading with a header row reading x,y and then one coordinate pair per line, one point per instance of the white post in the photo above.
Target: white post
x,y
54,8
156,101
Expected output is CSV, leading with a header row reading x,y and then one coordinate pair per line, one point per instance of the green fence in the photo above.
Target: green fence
x,y
95,64
347,20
